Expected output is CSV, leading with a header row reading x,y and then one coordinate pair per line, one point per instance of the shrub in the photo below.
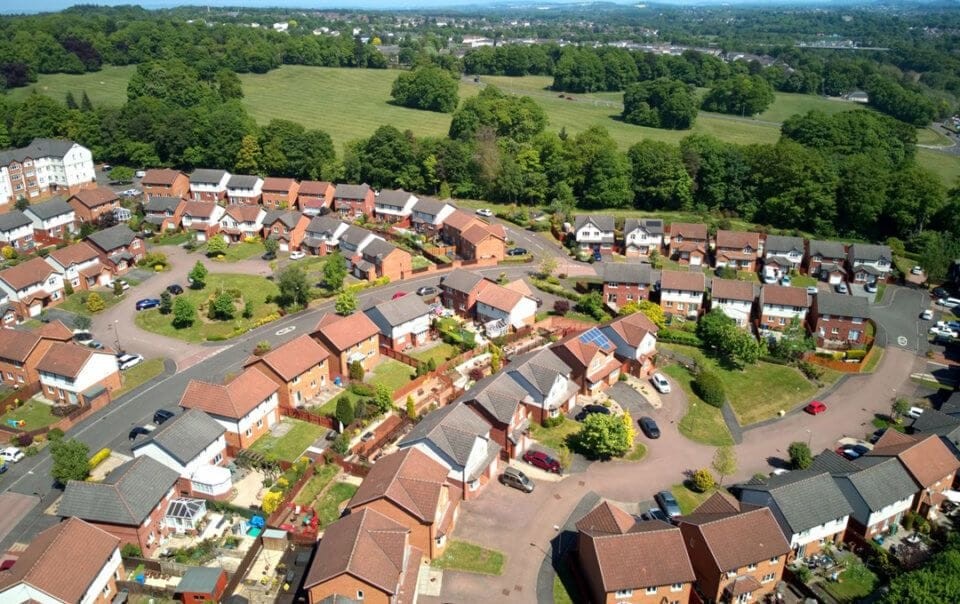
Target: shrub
x,y
130,550
95,303
357,371
476,374
341,445
810,370
24,440
553,422
99,457
271,501
674,336
263,347
856,355
708,386
803,574
55,434
361,389
248,309
703,480
345,412
800,455
561,307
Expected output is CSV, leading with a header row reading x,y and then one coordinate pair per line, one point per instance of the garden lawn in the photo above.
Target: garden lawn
x,y
138,375
702,423
237,251
329,408
77,301
33,413
555,437
251,288
172,238
391,373
328,506
855,583
471,558
439,353
418,262
317,483
291,445
803,281
688,499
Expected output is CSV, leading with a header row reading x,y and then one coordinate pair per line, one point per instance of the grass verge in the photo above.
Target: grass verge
x,y
689,499
328,506
471,558
291,445
138,375
77,302
873,361
317,483
236,251
638,452
33,414
554,437
702,423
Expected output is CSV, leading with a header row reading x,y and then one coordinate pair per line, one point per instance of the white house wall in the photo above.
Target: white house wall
x,y
204,458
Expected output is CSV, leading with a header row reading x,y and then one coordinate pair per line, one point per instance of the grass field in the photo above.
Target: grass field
x,y
439,353
139,374
702,423
555,437
105,87
392,374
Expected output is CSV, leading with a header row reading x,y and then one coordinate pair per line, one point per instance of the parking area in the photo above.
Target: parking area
x,y
898,317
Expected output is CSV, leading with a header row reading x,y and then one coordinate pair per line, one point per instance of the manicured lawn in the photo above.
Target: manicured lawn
x,y
702,423
291,445
555,437
875,356
317,483
579,316
237,251
471,558
881,287
637,453
139,374
105,87
33,413
803,281
251,288
391,373
687,498
944,165
330,407
855,583
328,506
440,353
77,301
173,238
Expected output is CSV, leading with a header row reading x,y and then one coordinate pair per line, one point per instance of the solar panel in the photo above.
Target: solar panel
x,y
596,337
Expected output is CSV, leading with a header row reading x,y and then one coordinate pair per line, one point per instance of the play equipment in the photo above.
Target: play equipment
x,y
256,526
16,423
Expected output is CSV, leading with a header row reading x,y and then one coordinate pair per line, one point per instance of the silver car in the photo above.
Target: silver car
x,y
660,383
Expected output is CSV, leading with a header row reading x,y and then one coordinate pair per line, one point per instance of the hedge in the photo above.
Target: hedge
x,y
856,355
99,457
673,336
556,290
708,386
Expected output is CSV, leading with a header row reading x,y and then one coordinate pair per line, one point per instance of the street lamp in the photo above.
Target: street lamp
x,y
809,437
116,334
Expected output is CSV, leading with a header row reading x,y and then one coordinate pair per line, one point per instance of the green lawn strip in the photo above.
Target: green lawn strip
x,y
929,136
237,251
881,287
252,287
139,374
638,452
556,436
944,165
33,413
560,594
471,558
702,423
172,238
291,445
579,316
688,499
439,353
317,483
77,301
873,361
856,582
803,281
391,373
328,506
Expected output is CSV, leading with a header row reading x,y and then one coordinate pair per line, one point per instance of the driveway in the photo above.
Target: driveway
x,y
898,318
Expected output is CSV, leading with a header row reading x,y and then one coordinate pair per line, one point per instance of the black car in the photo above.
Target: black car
x,y
517,251
590,410
427,290
269,256
649,427
940,292
175,289
161,416
138,431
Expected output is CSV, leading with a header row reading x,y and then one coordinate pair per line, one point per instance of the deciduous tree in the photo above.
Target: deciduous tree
x,y
603,436
800,455
428,87
724,462
69,460
346,303
294,288
184,313
198,276
335,271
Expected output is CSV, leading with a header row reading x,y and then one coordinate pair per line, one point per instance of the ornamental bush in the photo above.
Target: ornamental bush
x,y
708,386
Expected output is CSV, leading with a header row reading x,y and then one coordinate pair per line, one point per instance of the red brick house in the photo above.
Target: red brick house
x,y
90,204
780,305
289,228
163,213
635,339
483,242
130,503
352,201
299,367
120,249
164,182
381,258
839,320
74,375
735,298
209,185
681,293
313,196
354,338
200,585
826,260
202,218
626,282
498,400
459,290
280,193
29,287
590,356
394,206
688,243
928,460
21,351
247,406
737,249
456,224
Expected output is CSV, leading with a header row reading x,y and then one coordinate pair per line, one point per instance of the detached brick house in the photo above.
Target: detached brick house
x,y
642,236
498,303
394,206
163,213
202,218
595,234
79,265
623,560
120,249
737,249
826,260
737,550
681,293
928,460
473,238
21,350
164,182
353,201
244,189
280,193
626,282
780,305
322,235
209,185
428,215
246,407
459,290
350,339
735,298
241,221
635,338
73,374
29,287
380,258
313,196
40,573
16,231
838,320
590,356
869,263
289,228
404,323
688,243
299,367
497,400
90,204
130,503
52,220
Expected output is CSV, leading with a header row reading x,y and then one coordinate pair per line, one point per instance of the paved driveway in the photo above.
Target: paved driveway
x,y
898,318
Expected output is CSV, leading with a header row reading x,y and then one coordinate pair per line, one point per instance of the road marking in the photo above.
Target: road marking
x,y
903,341
286,330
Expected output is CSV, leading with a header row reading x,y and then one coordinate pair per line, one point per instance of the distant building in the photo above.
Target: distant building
x,y
45,166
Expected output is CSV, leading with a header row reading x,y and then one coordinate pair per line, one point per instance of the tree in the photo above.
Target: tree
x,y
335,271
496,358
793,342
166,303
216,246
184,313
70,460
294,288
653,312
271,245
703,480
741,95
548,266
603,436
734,346
95,303
937,581
411,407
346,303
383,398
660,103
21,203
121,174
345,410
198,276
430,88
229,85
71,101
117,288
221,307
356,371
82,323
561,307
800,455
660,180
592,304
708,386
901,407
519,118
249,156
85,104
724,462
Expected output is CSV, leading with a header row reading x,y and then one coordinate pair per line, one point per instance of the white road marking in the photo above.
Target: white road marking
x,y
903,341
286,330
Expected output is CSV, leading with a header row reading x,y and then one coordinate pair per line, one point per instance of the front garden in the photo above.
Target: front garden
x,y
31,415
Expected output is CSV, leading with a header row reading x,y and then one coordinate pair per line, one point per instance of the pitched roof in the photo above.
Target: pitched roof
x,y
538,370
738,239
294,357
926,458
55,330
603,222
161,176
73,544
126,496
606,519
50,209
243,212
186,436
199,209
682,280
879,481
429,205
343,332
235,399
805,498
477,233
367,545
578,350
393,313
870,251
66,358
463,281
842,305
289,218
207,177
631,329
378,249
408,478
732,289
933,421
162,204
784,296
452,429
827,249
34,270
243,181
627,272
277,184
394,197
199,580
354,235
16,345
38,147
780,243
497,394
94,197
324,224
460,220
688,230
499,297
352,191
314,187
654,226
112,238
14,219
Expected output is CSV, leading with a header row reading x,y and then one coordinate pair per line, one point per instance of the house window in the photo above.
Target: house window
x,y
751,567
768,577
106,590
260,423
248,432
624,593
359,594
676,587
217,458
835,331
613,284
296,380
629,297
651,590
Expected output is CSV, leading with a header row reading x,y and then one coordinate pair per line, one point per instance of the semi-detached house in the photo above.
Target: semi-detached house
x,y
247,406
73,374
80,266
394,206
780,305
52,220
16,231
838,320
688,243
351,339
681,293
404,323
21,350
300,367
928,460
626,282
459,290
313,196
244,189
202,218
29,287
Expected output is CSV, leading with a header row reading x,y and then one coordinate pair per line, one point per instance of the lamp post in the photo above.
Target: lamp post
x,y
116,334
809,438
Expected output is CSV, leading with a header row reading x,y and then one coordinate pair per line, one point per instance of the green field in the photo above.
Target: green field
x,y
105,87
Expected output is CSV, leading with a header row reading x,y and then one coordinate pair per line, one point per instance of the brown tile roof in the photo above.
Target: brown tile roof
x,y
55,330
477,233
66,359
25,274
244,213
460,220
688,230
74,254
784,296
293,358
233,400
519,285
278,185
927,459
689,246
198,209
687,281
367,545
633,328
606,519
343,332
732,289
738,239
743,585
64,560
161,176
98,196
410,479
579,349
16,345
499,297
315,188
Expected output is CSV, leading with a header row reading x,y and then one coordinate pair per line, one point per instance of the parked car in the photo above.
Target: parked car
x,y
815,408
297,255
852,452
915,412
517,251
126,361
649,427
916,271
944,331
940,292
82,337
140,173
427,290
876,435
927,315
841,288
597,256
542,461
95,344
269,256
655,514
485,212
175,289
137,431
3,468
162,415
812,290
590,410
398,295
660,383
11,454
124,286
871,288
367,437
668,503
769,279
779,472
129,192
147,303
513,477
785,280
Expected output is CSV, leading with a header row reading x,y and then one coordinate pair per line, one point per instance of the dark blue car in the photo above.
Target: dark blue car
x,y
147,303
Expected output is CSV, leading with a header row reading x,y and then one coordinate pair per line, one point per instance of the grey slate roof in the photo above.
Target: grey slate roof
x,y
38,147
126,497
323,224
627,272
289,218
50,209
870,252
451,429
461,280
351,191
806,498
13,219
242,181
776,244
200,580
842,305
394,197
498,394
206,177
112,238
951,406
378,248
932,421
880,481
397,312
827,249
537,371
428,205
654,226
354,235
162,204
186,436
604,223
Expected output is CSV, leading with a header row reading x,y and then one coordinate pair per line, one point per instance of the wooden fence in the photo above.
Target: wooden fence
x,y
306,416
406,359
243,568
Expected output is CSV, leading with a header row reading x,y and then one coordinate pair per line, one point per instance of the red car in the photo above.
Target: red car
x,y
398,295
542,461
815,408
